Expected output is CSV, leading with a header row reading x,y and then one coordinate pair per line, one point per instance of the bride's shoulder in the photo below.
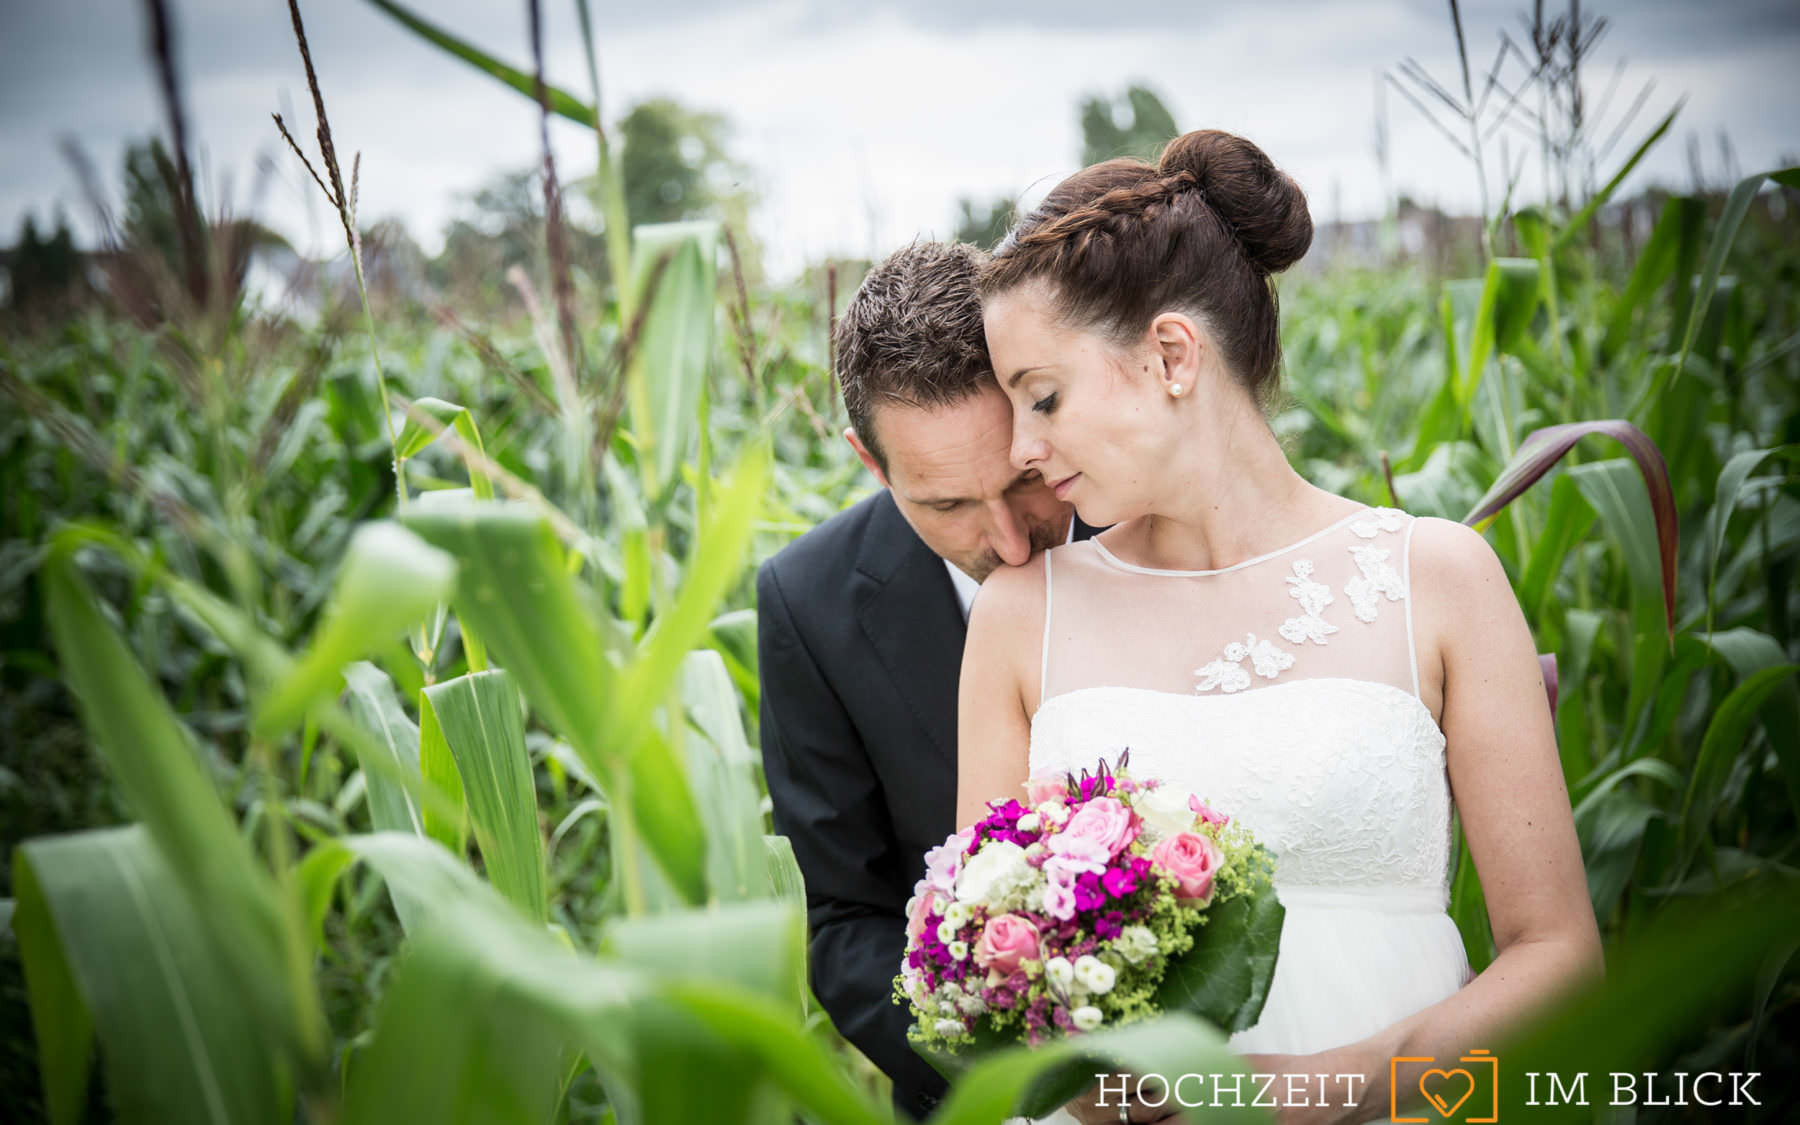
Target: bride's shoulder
x,y
1011,592
1454,571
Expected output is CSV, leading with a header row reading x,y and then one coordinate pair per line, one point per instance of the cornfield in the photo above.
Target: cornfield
x,y
418,661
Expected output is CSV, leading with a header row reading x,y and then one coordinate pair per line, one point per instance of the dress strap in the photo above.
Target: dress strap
x,y
1412,654
1044,660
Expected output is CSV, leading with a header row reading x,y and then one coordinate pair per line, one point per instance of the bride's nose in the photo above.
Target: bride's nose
x,y
1027,452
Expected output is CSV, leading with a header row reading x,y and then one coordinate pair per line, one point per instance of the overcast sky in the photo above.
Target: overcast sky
x,y
862,123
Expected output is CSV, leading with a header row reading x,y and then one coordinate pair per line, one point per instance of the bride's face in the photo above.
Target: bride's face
x,y
1094,418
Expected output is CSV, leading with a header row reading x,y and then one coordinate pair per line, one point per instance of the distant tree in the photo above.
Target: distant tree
x,y
1134,124
984,226
43,273
675,165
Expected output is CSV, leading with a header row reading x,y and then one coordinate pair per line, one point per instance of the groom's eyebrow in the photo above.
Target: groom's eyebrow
x,y
1021,373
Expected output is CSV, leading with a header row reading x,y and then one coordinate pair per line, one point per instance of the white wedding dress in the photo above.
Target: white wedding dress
x,y
1284,692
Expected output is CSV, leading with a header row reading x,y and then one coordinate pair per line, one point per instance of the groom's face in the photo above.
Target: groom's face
x,y
951,476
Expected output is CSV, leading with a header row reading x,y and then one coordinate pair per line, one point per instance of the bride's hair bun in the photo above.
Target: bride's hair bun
x,y
1260,205
1199,232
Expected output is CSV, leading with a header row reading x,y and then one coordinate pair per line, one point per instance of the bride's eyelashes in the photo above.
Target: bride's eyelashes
x,y
1046,405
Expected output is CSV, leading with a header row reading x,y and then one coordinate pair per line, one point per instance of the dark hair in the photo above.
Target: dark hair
x,y
1200,231
912,334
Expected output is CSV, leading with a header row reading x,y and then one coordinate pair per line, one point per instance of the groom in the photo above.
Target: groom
x,y
860,627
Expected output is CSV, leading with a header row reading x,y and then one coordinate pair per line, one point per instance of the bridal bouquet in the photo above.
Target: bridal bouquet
x,y
1102,900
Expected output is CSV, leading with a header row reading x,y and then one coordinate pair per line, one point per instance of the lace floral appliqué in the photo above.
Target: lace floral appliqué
x,y
1379,520
1228,674
1313,598
1378,579
1375,579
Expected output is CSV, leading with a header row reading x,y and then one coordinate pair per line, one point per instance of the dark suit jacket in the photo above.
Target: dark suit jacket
x,y
860,638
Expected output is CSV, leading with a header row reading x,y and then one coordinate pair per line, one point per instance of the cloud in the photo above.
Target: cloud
x,y
864,123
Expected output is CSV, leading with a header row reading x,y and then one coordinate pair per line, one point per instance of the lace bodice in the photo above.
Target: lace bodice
x,y
1283,690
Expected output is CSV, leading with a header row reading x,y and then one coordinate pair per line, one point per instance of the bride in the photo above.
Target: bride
x,y
1336,676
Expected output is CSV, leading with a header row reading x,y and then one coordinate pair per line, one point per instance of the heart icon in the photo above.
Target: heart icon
x,y
1437,1099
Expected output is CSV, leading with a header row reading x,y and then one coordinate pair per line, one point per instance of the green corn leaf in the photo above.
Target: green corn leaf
x,y
392,806
1035,1081
718,759
61,1024
1509,297
177,1039
170,792
667,374
390,579
415,437
1567,523
514,586
1669,976
1737,205
416,869
1680,223
562,102
1731,486
478,717
438,766
1725,740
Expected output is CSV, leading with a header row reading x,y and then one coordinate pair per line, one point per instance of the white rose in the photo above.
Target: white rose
x,y
1030,822
1136,944
1059,972
1086,1018
949,1028
992,868
1094,974
959,950
1165,811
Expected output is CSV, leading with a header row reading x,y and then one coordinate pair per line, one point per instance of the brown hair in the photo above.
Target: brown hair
x,y
1200,231
912,334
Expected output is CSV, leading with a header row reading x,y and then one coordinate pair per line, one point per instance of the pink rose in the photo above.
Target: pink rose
x,y
1207,813
1006,941
1046,787
1103,821
919,909
1192,861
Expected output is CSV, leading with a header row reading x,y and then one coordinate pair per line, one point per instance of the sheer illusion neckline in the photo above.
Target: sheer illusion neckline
x,y
1115,561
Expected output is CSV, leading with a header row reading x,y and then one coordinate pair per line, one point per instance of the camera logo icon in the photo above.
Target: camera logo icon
x,y
1472,1089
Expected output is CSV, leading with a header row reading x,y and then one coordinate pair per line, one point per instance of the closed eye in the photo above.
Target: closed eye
x,y
1045,405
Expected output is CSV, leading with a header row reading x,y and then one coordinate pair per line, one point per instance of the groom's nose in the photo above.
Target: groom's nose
x,y
1009,537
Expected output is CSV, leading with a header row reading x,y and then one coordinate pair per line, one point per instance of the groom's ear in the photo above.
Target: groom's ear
x,y
862,451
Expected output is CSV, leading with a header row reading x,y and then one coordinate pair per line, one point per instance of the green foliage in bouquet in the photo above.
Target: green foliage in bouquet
x,y
1009,945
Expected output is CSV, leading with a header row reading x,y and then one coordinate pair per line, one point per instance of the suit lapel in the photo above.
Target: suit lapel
x,y
907,609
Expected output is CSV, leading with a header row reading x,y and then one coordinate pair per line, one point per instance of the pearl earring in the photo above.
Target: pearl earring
x,y
1175,389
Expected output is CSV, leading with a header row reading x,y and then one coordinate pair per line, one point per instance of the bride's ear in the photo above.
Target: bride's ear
x,y
1179,342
